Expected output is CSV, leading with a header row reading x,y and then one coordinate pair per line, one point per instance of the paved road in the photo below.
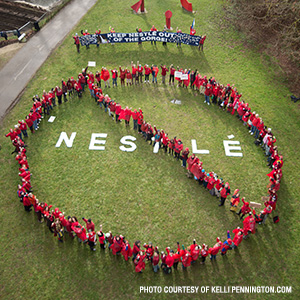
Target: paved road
x,y
16,74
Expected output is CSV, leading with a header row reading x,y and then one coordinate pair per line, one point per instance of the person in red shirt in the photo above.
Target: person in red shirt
x,y
128,77
204,253
224,193
164,71
201,43
89,224
122,76
149,250
105,76
245,209
135,116
140,262
126,250
101,237
23,127
140,73
140,121
207,93
136,249
134,73
12,134
147,73
77,42
86,33
186,258
154,70
92,237
153,29
155,260
118,111
249,225
114,73
172,73
178,148
215,249
195,251
238,237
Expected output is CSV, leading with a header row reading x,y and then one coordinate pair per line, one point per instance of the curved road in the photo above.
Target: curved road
x,y
16,74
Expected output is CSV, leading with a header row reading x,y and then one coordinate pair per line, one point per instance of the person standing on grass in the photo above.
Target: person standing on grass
x,y
147,73
126,250
238,237
224,193
178,148
164,71
140,262
105,76
134,73
172,74
140,120
155,260
58,92
154,70
185,155
213,251
249,225
92,239
152,30
116,246
201,43
140,73
128,77
23,128
245,209
114,73
207,93
226,244
136,249
135,116
77,42
122,76
89,224
235,200
195,251
101,237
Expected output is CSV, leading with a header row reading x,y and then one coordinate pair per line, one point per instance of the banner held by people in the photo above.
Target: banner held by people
x,y
145,36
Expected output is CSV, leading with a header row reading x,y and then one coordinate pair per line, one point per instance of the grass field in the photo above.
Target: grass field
x,y
143,195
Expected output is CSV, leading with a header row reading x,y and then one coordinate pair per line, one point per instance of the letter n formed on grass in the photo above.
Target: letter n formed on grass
x,y
64,137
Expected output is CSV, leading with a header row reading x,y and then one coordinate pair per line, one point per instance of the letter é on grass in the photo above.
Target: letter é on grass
x,y
64,138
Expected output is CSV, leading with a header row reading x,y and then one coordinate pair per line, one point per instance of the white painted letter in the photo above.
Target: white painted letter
x,y
195,150
63,137
124,141
228,148
94,141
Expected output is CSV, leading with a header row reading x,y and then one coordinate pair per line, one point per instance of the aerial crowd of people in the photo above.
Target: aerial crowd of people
x,y
226,97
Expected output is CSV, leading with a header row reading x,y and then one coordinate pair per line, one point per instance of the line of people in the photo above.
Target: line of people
x,y
58,224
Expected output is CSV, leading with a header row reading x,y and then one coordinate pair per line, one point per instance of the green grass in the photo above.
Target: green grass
x,y
143,195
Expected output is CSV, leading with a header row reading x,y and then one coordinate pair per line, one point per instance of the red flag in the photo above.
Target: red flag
x,y
136,6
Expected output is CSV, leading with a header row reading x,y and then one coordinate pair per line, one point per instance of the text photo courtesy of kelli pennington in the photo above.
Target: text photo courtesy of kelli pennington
x,y
215,289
